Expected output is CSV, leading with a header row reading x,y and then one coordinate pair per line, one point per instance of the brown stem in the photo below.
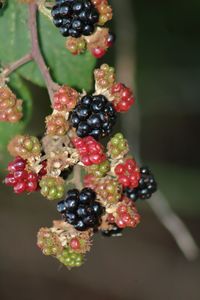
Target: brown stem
x,y
36,53
15,65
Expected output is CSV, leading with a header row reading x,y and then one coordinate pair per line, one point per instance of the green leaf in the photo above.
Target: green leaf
x,y
8,130
75,71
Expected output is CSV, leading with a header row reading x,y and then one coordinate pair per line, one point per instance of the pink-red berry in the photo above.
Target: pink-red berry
x,y
65,99
98,52
19,178
123,97
75,244
91,152
128,173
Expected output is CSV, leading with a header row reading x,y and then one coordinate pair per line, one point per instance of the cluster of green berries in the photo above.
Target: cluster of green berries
x,y
52,188
99,170
118,146
70,258
104,77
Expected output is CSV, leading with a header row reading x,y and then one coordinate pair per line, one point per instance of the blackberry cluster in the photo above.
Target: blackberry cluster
x,y
147,186
80,209
115,231
75,17
93,116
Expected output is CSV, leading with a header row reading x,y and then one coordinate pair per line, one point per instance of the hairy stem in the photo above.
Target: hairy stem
x,y
36,52
15,65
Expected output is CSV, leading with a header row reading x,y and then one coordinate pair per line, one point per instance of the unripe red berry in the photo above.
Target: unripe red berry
x,y
75,244
123,97
20,187
10,180
31,186
98,52
91,152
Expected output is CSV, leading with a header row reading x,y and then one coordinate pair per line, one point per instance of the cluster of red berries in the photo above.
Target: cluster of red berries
x,y
123,97
128,173
126,214
21,179
10,106
90,151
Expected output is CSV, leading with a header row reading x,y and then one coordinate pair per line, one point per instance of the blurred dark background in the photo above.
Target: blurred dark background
x,y
145,263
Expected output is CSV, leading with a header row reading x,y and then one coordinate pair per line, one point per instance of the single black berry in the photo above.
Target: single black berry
x,y
75,17
115,231
93,116
147,186
81,209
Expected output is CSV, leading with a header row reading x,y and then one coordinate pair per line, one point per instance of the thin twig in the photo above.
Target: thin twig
x,y
36,52
126,66
15,65
77,180
175,226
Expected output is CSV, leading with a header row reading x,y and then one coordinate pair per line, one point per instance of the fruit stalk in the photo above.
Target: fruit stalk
x,y
36,52
15,65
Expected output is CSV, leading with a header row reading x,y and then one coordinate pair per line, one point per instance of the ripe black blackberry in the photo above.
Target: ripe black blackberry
x,y
147,186
75,17
81,209
115,231
93,116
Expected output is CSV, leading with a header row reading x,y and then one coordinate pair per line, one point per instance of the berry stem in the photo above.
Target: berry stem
x,y
17,64
36,52
77,180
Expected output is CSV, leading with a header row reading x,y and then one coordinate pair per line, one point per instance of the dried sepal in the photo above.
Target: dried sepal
x,y
61,160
